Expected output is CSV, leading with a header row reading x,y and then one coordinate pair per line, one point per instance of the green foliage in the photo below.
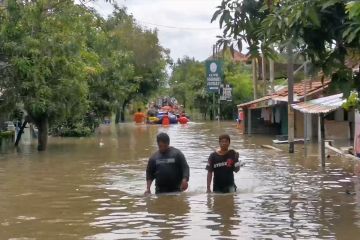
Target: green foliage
x,y
241,21
64,62
77,130
323,31
353,101
7,134
45,48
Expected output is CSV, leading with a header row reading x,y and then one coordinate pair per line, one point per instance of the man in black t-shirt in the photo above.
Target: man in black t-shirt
x,y
223,163
168,167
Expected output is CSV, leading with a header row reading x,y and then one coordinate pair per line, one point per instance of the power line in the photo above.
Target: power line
x,y
174,27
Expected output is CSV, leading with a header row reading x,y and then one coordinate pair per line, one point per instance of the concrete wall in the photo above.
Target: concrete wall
x,y
299,124
337,129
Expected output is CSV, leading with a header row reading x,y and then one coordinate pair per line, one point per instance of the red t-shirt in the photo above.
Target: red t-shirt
x,y
183,120
166,120
139,117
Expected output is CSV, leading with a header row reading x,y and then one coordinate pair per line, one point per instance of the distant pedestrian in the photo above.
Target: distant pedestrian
x,y
165,119
222,164
183,119
168,167
139,117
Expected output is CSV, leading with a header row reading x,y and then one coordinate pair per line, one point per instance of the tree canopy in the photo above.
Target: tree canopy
x,y
64,61
324,31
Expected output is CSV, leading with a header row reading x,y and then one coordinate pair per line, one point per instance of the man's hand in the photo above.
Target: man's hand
x,y
147,192
184,185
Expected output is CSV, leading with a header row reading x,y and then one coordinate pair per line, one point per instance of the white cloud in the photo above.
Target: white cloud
x,y
189,30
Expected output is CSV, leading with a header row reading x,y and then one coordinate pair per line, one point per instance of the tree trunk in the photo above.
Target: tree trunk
x,y
118,115
21,131
43,127
122,116
272,75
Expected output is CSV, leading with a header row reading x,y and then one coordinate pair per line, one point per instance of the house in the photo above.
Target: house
x,y
269,114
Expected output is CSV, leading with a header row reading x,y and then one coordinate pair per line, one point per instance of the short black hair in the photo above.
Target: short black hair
x,y
163,137
224,136
139,109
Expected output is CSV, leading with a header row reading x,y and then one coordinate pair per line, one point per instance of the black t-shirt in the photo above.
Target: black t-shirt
x,y
168,169
223,167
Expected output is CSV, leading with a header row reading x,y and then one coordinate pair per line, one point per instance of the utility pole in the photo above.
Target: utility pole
x,y
272,74
290,75
305,114
254,73
263,72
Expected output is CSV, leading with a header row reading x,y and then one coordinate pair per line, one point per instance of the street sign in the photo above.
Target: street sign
x,y
214,75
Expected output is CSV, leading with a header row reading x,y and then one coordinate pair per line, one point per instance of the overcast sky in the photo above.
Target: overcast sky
x,y
184,25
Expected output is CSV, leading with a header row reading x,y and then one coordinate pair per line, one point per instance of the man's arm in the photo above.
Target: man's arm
x,y
210,169
209,179
148,186
150,176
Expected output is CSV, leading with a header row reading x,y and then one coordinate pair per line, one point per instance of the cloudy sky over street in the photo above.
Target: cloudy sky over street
x,y
184,25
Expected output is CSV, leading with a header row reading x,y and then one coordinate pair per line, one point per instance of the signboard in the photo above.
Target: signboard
x,y
214,75
225,93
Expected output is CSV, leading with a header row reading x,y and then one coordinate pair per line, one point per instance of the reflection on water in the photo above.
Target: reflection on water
x,y
92,188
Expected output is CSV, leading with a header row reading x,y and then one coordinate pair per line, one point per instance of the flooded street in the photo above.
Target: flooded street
x,y
92,188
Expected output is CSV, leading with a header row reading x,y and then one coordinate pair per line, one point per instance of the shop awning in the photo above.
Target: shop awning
x,y
320,105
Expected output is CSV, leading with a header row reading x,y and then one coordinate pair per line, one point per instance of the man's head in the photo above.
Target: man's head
x,y
163,141
139,109
224,141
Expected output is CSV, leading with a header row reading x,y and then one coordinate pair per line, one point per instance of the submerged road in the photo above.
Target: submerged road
x,y
92,188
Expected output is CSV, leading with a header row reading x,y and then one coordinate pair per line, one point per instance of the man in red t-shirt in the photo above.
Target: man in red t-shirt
x,y
139,117
183,119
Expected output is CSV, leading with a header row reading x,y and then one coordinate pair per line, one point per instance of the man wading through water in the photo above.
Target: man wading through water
x,y
223,163
168,167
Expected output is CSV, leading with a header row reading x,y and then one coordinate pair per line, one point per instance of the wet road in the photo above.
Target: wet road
x,y
92,188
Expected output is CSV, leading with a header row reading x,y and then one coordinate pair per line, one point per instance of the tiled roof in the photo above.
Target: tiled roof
x,y
312,88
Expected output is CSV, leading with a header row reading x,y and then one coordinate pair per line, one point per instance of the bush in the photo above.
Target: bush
x,y
78,130
7,134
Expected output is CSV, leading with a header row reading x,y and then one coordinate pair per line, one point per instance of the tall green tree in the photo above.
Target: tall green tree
x,y
149,58
45,47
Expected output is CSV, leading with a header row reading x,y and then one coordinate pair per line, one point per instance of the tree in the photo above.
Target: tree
x,y
324,31
149,58
44,44
67,65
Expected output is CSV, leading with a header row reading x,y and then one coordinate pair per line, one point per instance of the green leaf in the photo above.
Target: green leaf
x,y
216,14
221,21
314,16
329,3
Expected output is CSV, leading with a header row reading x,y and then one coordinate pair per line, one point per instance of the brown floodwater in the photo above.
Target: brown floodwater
x,y
92,188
